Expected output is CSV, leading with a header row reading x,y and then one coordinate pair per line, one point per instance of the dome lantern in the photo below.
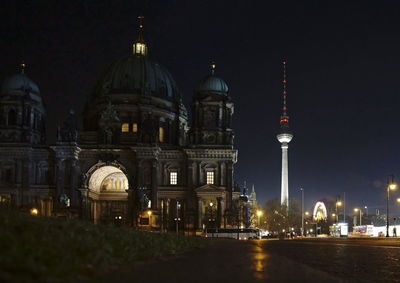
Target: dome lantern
x,y
139,46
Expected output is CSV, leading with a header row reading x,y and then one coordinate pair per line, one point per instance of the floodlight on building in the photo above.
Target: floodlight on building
x,y
34,211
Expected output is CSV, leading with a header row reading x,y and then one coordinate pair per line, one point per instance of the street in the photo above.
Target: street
x,y
307,260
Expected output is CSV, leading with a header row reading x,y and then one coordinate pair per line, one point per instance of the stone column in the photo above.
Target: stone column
x,y
222,175
198,173
59,177
154,185
162,215
229,182
166,213
219,212
19,172
200,213
74,183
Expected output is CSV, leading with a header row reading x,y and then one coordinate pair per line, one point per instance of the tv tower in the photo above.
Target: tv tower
x,y
284,137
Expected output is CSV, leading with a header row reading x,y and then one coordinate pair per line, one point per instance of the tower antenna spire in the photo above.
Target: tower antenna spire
x,y
284,117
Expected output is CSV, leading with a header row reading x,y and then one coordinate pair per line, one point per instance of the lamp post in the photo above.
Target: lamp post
x,y
177,217
390,186
211,216
149,214
302,212
259,213
338,204
358,210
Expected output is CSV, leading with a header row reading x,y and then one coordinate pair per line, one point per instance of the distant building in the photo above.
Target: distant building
x,y
253,198
137,161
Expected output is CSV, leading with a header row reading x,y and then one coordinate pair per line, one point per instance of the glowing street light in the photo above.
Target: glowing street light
x,y
337,204
358,210
390,186
149,214
259,213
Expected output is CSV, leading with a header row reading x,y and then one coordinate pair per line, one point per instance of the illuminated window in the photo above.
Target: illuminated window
x,y
161,134
134,127
173,178
125,127
210,177
139,48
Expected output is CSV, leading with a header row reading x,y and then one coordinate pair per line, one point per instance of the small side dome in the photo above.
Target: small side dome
x,y
20,82
212,83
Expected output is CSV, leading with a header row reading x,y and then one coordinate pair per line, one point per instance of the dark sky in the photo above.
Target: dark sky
x,y
343,77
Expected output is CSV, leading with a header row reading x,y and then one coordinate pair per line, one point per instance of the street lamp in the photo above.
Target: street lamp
x,y
390,186
149,214
302,211
259,213
338,204
211,217
358,210
177,219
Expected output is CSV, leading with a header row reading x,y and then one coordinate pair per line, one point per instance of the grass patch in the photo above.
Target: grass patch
x,y
46,249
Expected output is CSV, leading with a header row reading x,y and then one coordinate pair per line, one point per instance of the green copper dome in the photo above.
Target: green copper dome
x,y
212,83
137,74
19,82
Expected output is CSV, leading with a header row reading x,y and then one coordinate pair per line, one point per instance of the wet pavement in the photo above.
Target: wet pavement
x,y
305,260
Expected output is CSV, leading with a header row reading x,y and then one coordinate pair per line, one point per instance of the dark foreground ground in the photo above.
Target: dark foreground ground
x,y
314,260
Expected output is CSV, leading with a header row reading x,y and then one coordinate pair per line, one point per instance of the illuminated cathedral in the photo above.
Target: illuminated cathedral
x,y
137,161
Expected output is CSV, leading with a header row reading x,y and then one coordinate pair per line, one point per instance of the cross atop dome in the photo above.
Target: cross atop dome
x,y
22,66
212,67
139,46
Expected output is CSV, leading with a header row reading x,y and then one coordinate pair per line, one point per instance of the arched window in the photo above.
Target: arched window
x,y
12,118
125,127
161,134
134,127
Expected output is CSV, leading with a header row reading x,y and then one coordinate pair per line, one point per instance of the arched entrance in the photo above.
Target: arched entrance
x,y
108,187
108,179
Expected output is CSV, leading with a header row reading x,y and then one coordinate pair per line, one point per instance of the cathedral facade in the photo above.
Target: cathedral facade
x,y
136,161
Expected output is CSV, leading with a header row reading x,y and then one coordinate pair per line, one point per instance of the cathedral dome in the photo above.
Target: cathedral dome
x,y
212,83
19,82
137,74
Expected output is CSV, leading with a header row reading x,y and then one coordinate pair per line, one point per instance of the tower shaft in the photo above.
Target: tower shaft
x,y
285,176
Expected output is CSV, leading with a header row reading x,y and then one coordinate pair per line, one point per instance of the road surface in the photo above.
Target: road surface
x,y
304,260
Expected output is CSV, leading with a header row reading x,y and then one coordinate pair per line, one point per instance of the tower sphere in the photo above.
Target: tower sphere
x,y
284,137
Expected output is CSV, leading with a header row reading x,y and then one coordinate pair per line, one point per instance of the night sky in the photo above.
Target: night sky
x,y
343,77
